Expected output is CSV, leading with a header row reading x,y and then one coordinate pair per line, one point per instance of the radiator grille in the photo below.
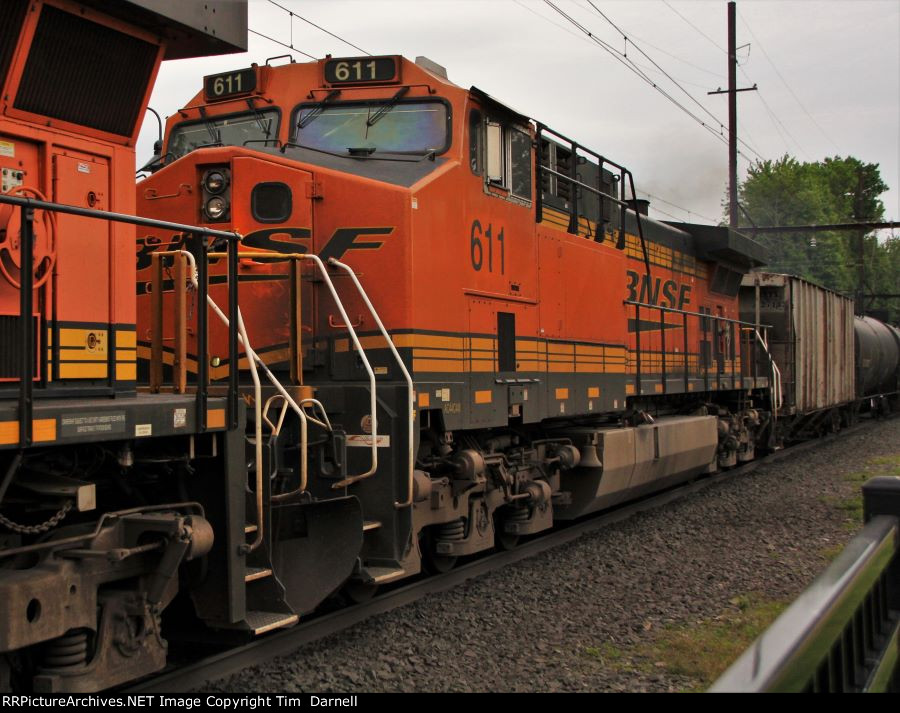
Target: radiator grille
x,y
12,12
85,73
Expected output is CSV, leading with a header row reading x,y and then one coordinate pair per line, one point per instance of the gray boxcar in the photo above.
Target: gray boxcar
x,y
810,337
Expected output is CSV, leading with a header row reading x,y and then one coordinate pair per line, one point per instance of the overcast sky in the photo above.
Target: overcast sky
x,y
828,76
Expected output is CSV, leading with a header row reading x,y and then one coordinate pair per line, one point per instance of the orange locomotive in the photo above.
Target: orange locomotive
x,y
453,316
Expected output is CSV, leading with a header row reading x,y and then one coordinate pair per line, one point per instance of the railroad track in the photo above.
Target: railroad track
x,y
212,668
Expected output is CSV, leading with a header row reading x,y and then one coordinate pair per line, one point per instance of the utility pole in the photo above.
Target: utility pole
x,y
860,248
732,114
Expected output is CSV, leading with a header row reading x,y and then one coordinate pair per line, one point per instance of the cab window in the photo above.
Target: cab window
x,y
257,128
509,160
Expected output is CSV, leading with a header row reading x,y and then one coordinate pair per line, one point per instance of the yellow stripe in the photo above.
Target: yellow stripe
x,y
126,339
71,337
126,354
431,353
82,371
126,372
437,365
531,365
81,355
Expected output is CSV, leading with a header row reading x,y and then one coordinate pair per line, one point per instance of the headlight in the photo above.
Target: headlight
x,y
215,182
216,207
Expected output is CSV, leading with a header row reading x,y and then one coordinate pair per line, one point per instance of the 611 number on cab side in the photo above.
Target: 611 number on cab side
x,y
481,241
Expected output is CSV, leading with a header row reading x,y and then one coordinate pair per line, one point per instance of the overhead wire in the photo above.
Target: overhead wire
x,y
620,57
672,79
283,44
319,27
784,82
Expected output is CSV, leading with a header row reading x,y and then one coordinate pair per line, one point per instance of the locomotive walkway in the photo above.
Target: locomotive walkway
x,y
621,602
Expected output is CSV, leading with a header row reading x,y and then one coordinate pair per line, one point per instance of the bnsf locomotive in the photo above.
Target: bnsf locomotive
x,y
446,327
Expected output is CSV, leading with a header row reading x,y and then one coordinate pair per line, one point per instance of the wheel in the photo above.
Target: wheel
x,y
439,564
506,540
432,562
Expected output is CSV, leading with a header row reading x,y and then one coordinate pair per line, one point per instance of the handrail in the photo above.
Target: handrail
x,y
602,161
362,354
252,360
841,633
26,288
410,455
689,313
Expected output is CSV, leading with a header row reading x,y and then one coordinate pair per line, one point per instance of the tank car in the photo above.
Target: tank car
x,y
97,511
459,320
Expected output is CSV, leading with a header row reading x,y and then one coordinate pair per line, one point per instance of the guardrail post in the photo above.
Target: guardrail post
x,y
881,496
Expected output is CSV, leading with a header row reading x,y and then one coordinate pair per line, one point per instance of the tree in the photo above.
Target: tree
x,y
835,190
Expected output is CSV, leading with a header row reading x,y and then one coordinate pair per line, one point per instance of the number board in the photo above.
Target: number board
x,y
229,84
362,70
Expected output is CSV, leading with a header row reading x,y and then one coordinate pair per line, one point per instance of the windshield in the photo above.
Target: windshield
x,y
233,130
404,127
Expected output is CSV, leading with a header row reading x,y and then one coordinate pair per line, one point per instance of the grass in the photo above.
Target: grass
x,y
700,651
853,505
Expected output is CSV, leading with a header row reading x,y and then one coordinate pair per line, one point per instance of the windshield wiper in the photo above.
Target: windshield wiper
x,y
210,127
265,125
317,109
386,107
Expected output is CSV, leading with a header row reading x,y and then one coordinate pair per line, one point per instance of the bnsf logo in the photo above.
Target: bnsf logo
x,y
675,296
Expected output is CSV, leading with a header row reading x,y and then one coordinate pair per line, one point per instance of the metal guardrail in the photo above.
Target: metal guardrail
x,y
842,634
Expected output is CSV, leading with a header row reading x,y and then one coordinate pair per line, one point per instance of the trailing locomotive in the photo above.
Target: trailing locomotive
x,y
449,327
95,520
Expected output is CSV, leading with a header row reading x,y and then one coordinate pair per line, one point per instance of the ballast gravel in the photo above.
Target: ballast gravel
x,y
530,626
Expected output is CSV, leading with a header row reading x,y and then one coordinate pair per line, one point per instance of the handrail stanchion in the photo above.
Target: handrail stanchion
x,y
410,455
26,307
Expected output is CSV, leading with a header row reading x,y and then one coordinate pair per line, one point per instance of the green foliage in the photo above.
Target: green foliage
x,y
835,190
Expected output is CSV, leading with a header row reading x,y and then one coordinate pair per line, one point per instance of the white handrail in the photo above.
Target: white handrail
x,y
410,457
776,375
373,402
253,360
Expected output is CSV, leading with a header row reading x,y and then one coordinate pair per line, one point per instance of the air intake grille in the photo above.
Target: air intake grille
x,y
12,12
85,73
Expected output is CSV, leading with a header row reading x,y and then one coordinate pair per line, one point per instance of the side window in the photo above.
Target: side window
x,y
520,164
509,159
475,139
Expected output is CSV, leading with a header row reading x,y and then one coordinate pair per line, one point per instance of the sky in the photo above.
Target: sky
x,y
828,77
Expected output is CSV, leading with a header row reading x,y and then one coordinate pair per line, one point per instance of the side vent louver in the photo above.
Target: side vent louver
x,y
105,73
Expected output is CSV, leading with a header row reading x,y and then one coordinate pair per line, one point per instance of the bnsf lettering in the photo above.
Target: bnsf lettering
x,y
278,240
673,295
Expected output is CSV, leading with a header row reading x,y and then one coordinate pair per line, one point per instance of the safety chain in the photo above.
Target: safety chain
x,y
37,529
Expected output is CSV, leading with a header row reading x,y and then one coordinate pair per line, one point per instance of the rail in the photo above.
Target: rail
x,y
842,633
197,236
